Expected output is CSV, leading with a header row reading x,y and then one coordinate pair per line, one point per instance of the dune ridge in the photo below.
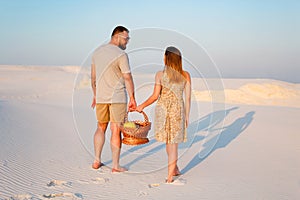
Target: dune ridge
x,y
271,93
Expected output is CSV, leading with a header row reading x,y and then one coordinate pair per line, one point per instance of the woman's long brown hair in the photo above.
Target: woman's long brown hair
x,y
173,63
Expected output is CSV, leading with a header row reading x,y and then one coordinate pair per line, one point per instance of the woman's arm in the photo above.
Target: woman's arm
x,y
187,93
155,94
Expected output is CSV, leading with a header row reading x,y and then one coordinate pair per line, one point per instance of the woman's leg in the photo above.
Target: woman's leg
x,y
172,151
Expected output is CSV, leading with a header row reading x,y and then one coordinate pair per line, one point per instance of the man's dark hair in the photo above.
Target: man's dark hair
x,y
119,29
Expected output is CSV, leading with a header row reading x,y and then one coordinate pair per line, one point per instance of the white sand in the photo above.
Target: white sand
x,y
247,148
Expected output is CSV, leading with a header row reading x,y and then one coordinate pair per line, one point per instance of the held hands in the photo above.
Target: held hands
x,y
131,105
139,108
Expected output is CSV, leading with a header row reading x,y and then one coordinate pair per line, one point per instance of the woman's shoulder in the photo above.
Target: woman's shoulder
x,y
159,73
158,76
187,76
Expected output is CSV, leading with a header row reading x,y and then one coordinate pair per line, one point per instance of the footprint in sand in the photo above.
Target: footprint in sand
x,y
21,197
178,181
97,180
59,183
64,195
142,193
83,181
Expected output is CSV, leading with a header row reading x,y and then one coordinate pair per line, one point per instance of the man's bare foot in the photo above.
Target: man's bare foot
x,y
119,169
97,165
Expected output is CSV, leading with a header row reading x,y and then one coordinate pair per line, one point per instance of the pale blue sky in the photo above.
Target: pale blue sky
x,y
246,38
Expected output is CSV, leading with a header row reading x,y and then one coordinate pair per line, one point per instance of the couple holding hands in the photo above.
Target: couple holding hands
x,y
111,78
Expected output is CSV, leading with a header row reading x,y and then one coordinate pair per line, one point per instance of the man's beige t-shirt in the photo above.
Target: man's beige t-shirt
x,y
110,63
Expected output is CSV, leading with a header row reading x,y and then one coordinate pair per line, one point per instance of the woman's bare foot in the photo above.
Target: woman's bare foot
x,y
169,180
176,172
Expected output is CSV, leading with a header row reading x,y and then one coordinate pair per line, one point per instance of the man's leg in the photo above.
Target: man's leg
x,y
102,113
99,139
115,144
117,112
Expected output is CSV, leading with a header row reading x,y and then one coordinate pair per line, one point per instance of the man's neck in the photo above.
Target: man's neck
x,y
113,42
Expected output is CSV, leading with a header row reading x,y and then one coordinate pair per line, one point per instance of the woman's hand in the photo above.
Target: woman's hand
x,y
186,122
139,108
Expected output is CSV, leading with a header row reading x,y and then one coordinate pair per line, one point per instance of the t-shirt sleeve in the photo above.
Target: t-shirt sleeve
x,y
124,63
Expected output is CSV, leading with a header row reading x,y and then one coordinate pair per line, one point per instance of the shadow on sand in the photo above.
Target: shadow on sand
x,y
227,135
211,122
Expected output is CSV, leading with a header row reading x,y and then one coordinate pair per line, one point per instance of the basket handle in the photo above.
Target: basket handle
x,y
144,114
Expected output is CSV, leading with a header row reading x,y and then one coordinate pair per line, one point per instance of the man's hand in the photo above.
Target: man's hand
x,y
131,105
93,102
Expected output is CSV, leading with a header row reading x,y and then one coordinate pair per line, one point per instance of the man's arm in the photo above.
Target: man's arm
x,y
130,90
93,84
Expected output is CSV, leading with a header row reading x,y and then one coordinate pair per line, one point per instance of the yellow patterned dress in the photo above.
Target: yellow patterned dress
x,y
169,124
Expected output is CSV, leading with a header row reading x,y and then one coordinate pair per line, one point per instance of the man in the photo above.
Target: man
x,y
110,78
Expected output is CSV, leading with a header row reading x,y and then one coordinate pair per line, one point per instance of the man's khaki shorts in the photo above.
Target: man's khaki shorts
x,y
114,112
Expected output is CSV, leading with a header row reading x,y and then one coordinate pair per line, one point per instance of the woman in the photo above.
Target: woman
x,y
171,112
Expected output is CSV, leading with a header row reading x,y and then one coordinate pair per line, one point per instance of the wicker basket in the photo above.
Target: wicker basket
x,y
138,134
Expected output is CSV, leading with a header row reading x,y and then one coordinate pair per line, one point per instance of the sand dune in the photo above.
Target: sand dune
x,y
270,93
235,150
244,91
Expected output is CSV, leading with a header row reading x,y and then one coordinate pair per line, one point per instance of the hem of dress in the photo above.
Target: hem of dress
x,y
170,142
